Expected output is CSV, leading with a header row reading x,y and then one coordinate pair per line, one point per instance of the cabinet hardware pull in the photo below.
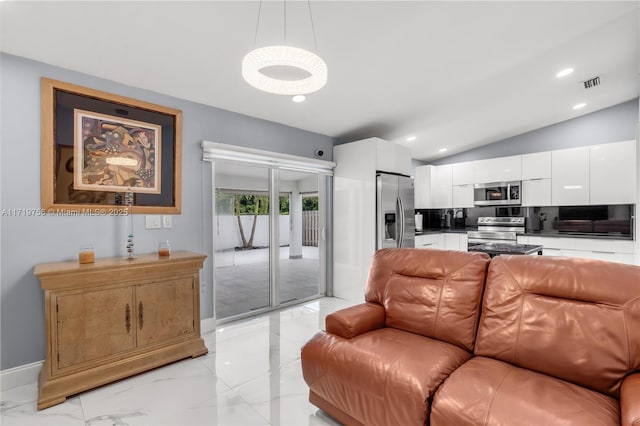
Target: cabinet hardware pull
x,y
127,318
140,315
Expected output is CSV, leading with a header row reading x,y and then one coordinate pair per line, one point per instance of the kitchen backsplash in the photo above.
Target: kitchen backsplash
x,y
608,220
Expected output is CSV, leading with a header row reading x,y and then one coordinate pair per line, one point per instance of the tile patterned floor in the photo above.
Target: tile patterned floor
x,y
251,376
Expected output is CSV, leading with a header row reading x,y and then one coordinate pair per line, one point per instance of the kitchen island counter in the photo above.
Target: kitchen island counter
x,y
494,249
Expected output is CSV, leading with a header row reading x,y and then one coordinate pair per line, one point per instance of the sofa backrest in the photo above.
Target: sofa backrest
x,y
574,319
434,293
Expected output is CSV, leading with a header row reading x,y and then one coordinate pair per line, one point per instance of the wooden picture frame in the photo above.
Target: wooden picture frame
x,y
84,132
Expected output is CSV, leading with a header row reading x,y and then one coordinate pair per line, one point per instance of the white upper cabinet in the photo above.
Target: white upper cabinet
x,y
613,173
432,187
503,169
462,195
536,166
423,187
536,192
442,189
462,173
570,176
392,157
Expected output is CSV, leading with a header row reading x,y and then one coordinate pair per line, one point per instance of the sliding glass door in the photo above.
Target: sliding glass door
x,y
241,281
268,229
299,258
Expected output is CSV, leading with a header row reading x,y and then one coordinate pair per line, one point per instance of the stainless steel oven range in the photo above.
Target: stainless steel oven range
x,y
498,235
503,230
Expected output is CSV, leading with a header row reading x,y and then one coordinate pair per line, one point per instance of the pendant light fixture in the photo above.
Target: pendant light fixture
x,y
304,71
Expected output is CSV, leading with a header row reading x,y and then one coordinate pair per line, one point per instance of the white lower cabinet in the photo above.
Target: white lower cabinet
x,y
451,242
430,241
620,251
443,241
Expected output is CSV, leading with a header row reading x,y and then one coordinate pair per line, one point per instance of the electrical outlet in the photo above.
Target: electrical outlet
x,y
153,221
166,221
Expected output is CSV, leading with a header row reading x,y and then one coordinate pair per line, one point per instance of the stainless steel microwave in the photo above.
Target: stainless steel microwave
x,y
497,194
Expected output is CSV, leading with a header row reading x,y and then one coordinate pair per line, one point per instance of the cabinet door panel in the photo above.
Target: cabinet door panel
x,y
536,166
570,176
462,173
93,325
164,310
422,187
462,196
536,192
613,173
501,169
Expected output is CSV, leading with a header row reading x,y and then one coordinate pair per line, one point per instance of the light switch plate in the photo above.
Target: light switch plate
x,y
153,221
166,221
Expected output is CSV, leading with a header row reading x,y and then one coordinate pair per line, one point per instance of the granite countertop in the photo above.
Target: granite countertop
x,y
494,249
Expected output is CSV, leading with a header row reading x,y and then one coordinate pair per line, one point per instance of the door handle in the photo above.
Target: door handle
x,y
127,318
399,222
140,315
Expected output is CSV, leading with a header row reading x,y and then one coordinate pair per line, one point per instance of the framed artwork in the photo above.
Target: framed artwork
x,y
97,146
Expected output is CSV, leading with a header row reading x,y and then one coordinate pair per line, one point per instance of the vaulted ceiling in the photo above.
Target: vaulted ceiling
x,y
455,75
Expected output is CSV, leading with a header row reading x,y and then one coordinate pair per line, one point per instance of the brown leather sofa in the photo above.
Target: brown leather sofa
x,y
555,342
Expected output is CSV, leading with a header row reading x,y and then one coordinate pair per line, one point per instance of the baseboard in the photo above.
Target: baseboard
x,y
20,375
207,325
296,256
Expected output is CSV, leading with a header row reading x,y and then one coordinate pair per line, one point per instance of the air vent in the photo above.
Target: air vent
x,y
591,83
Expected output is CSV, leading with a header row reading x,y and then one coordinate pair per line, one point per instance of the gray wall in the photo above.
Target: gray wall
x,y
613,124
27,241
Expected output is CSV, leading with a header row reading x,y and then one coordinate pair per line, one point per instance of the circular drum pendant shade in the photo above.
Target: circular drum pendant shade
x,y
313,67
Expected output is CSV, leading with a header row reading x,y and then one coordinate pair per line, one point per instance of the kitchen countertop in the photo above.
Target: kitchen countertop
x,y
446,231
494,249
557,234
579,235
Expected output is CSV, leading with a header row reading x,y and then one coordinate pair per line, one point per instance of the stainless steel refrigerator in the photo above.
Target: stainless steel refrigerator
x,y
395,215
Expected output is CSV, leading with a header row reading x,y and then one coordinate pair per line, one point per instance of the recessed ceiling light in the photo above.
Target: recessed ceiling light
x,y
580,105
410,138
299,98
442,149
565,72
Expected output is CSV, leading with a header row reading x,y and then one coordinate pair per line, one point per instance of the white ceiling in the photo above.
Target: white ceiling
x,y
454,74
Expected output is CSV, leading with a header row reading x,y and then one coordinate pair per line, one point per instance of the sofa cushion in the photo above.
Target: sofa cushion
x,y
488,392
368,375
575,319
434,293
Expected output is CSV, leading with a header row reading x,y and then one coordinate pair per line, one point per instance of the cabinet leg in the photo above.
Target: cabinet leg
x,y
50,402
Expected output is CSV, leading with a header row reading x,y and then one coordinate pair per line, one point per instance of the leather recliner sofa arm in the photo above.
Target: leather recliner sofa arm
x,y
630,400
355,320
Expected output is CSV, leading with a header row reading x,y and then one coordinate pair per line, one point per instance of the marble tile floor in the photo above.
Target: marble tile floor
x,y
251,376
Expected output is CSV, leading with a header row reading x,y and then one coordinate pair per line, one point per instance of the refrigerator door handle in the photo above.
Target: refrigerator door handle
x,y
379,216
399,221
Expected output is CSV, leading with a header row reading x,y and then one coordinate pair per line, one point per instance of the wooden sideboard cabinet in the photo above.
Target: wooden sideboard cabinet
x,y
116,318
